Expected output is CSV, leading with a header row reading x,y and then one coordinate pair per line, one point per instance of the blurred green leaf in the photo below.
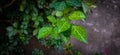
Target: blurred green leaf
x,y
11,31
51,19
67,10
39,18
36,24
35,32
15,24
79,33
25,32
77,53
63,25
22,37
55,33
60,6
37,51
91,3
85,7
59,13
77,15
66,39
22,6
10,28
44,32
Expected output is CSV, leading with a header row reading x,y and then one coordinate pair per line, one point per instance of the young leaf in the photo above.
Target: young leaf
x,y
44,32
85,7
63,25
79,33
91,3
60,6
51,19
59,13
77,15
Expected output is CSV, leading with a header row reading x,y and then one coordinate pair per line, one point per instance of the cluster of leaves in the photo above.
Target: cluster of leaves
x,y
60,17
50,22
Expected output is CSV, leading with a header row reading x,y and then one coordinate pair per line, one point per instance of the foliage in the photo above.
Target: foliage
x,y
49,21
79,33
36,51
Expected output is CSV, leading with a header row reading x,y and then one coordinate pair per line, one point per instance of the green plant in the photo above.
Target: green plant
x,y
49,21
60,17
36,51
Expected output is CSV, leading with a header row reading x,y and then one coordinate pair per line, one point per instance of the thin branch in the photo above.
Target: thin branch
x,y
7,5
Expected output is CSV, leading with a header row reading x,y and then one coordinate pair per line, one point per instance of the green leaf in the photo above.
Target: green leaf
x,y
59,13
67,10
44,32
85,7
60,6
37,51
51,19
10,28
55,33
22,6
91,3
77,15
39,18
15,24
63,25
11,31
22,37
36,24
66,39
35,32
79,33
75,3
25,32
